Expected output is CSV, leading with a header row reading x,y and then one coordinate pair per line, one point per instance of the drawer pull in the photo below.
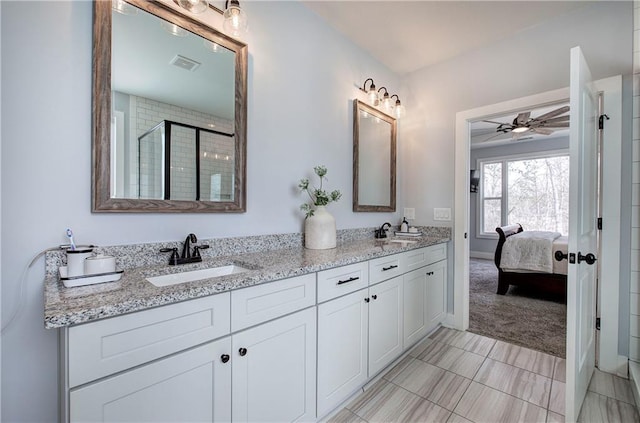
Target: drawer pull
x,y
243,352
429,273
384,269
375,297
355,278
366,300
224,358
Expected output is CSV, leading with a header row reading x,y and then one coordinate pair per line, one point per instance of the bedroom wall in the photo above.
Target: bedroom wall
x,y
484,247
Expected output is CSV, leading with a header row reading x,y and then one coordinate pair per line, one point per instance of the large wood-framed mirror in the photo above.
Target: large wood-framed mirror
x,y
169,112
374,159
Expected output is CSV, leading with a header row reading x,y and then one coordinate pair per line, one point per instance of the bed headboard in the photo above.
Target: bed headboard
x,y
504,232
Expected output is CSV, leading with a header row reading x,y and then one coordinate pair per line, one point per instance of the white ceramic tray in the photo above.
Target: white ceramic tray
x,y
71,281
412,234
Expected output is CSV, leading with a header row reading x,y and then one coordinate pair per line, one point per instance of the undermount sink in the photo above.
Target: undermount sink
x,y
196,275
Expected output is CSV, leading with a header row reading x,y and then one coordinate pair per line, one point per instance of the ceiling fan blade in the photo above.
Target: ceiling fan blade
x,y
553,121
553,113
554,125
522,118
491,137
494,122
542,131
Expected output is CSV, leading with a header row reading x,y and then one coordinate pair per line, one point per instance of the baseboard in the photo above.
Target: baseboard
x,y
623,367
634,376
481,255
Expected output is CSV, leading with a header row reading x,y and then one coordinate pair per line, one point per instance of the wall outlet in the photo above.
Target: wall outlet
x,y
441,214
410,213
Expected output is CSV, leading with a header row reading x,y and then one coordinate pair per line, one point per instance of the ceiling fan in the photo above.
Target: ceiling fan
x,y
542,124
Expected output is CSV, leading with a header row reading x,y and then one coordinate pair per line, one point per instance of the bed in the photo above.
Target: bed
x,y
543,273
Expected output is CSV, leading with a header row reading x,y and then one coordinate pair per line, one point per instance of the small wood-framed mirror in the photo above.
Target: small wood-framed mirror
x,y
169,112
374,159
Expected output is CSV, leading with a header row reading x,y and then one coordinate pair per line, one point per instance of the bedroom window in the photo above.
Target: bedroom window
x,y
532,191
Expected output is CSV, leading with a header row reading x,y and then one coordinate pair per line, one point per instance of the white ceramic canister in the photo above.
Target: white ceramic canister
x,y
99,264
75,261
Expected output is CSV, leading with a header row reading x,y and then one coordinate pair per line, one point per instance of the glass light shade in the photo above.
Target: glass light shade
x,y
123,7
372,95
173,29
194,6
386,103
520,129
399,110
211,46
235,21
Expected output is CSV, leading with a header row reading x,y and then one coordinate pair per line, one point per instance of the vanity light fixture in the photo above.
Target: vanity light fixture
x,y
194,6
123,7
386,100
399,109
372,94
235,19
211,46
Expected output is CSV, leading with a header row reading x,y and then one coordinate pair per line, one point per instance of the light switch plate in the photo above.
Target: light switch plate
x,y
410,213
441,214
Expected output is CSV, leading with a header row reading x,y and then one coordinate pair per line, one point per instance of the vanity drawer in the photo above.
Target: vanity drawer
x,y
101,348
257,304
384,268
415,259
343,280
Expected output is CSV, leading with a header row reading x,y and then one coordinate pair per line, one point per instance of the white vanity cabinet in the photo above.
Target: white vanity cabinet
x,y
194,385
424,292
358,335
274,370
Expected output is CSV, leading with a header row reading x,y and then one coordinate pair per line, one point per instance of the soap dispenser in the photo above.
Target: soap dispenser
x,y
404,226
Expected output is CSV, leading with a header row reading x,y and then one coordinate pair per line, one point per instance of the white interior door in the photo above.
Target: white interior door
x,y
581,278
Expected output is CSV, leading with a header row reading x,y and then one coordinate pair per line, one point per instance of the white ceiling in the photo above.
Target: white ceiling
x,y
410,35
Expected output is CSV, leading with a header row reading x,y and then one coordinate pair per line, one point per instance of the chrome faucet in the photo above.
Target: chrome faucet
x,y
187,256
382,232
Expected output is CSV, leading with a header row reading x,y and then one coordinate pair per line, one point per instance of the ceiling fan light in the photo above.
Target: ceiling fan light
x,y
520,129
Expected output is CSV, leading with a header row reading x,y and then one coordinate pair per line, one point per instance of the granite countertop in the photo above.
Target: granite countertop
x,y
69,306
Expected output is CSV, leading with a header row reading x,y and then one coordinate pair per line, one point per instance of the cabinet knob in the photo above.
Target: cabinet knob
x,y
224,358
366,300
242,351
375,297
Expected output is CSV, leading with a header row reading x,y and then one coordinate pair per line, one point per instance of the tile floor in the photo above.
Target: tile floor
x,y
461,377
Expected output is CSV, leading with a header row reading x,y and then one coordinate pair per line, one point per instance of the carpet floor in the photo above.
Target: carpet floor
x,y
520,317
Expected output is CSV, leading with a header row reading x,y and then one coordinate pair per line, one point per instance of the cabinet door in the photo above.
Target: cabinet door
x,y
274,370
415,313
385,323
190,386
342,348
436,293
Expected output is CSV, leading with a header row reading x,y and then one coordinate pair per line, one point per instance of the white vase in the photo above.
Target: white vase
x,y
320,230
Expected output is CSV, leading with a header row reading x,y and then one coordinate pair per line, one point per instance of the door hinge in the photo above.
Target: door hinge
x,y
601,121
597,323
600,223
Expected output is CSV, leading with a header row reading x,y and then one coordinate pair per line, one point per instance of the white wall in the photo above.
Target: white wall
x,y
532,61
302,78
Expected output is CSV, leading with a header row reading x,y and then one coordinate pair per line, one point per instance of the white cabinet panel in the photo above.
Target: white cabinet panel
x,y
385,324
436,293
104,347
415,259
415,313
274,370
191,386
384,268
342,348
333,283
257,304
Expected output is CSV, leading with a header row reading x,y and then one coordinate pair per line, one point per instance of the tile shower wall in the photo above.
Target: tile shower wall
x,y
634,343
217,152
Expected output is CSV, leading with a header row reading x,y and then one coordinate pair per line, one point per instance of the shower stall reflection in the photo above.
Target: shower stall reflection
x,y
184,162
